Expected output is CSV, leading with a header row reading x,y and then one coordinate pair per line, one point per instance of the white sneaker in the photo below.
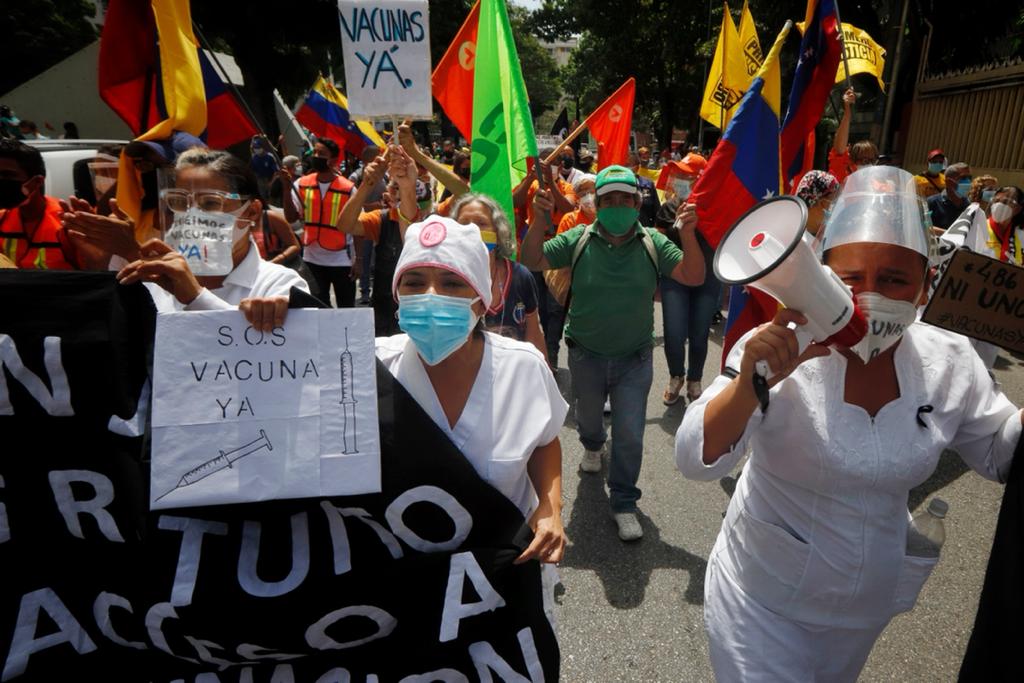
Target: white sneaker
x,y
629,526
591,461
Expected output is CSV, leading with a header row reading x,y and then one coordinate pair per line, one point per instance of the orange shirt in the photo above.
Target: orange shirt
x,y
563,187
572,219
371,222
445,207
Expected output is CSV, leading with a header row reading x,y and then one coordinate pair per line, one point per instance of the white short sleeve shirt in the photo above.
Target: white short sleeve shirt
x,y
513,408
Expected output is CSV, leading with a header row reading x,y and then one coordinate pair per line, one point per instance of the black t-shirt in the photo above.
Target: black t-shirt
x,y
520,300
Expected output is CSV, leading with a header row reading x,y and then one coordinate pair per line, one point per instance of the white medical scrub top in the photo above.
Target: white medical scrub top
x,y
253,277
513,408
816,530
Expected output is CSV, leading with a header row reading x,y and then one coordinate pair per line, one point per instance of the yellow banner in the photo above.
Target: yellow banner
x,y
728,78
752,56
864,55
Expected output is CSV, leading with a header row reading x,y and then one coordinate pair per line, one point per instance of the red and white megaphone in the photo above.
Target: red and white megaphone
x,y
765,249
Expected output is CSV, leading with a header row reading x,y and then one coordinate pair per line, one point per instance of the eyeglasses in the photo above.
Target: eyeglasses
x,y
181,201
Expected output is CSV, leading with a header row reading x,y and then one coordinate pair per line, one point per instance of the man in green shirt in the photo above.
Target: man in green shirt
x,y
615,265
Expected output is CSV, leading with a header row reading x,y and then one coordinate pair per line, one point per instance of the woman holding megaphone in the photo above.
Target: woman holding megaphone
x,y
811,562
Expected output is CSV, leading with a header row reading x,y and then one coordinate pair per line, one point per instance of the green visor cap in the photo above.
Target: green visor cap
x,y
615,179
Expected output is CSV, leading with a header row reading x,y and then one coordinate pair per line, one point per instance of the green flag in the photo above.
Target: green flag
x,y
502,128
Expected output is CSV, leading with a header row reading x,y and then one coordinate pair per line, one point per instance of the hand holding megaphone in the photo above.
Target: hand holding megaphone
x,y
765,249
782,344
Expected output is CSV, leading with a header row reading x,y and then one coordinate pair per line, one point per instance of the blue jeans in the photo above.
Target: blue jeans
x,y
364,279
687,313
627,380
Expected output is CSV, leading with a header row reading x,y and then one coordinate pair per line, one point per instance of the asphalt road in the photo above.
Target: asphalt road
x,y
633,612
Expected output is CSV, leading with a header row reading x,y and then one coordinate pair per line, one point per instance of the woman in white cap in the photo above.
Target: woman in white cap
x,y
493,396
812,559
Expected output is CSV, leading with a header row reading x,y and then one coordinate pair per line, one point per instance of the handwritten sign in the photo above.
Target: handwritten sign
x,y
242,415
982,298
386,46
204,240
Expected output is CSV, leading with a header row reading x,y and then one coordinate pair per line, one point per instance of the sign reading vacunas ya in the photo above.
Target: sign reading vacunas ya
x,y
243,415
982,298
386,46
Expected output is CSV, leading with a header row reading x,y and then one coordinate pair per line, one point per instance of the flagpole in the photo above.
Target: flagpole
x,y
842,39
579,129
205,44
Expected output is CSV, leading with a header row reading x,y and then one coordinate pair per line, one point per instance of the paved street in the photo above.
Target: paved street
x,y
633,612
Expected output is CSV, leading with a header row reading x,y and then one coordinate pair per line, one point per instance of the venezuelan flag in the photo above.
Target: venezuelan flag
x,y
743,170
820,54
325,114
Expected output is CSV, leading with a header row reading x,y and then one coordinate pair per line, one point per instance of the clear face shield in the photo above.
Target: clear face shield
x,y
103,172
201,223
879,204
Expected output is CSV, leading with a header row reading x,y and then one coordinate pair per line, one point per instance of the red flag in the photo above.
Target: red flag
x,y
610,125
452,80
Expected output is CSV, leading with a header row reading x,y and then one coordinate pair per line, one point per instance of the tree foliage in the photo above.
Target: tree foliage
x,y
39,33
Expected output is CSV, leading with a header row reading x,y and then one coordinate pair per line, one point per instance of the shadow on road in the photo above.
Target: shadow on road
x,y
624,569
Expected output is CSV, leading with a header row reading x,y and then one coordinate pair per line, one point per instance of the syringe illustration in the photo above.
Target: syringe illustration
x,y
223,461
348,401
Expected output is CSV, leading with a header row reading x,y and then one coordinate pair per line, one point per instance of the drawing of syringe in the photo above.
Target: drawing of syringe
x,y
223,461
348,402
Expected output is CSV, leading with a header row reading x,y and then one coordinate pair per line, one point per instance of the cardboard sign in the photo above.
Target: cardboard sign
x,y
241,415
982,298
386,46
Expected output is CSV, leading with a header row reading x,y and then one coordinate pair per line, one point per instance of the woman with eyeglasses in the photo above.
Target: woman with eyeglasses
x,y
214,188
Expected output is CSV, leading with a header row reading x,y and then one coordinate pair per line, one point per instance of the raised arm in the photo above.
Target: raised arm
x,y
690,270
842,139
348,219
446,177
403,172
533,243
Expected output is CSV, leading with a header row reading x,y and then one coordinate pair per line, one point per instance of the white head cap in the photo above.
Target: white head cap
x,y
440,242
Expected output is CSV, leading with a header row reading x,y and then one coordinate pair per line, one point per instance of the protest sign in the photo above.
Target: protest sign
x,y
982,298
968,231
243,415
413,583
386,46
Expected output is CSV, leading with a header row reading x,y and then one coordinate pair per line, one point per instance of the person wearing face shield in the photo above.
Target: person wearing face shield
x,y
615,265
947,207
31,232
491,395
207,214
811,562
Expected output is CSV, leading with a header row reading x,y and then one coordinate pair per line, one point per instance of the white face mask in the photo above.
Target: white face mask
x,y
587,203
887,320
681,188
205,239
1001,213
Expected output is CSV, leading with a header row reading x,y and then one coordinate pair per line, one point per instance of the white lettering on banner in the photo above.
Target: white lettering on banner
x,y
155,618
485,659
248,558
202,648
133,425
24,643
56,402
339,534
386,48
257,653
192,532
440,676
5,529
70,508
241,415
283,673
442,499
101,613
316,635
335,675
463,565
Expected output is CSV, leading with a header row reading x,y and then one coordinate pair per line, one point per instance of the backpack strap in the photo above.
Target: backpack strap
x,y
652,251
645,239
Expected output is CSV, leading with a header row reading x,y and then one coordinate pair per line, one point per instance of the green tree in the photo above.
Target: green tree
x,y
39,33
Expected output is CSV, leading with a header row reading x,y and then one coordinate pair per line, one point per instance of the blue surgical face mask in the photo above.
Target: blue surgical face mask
x,y
935,167
963,187
987,195
438,325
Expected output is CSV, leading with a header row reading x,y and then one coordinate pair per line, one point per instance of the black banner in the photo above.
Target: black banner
x,y
413,584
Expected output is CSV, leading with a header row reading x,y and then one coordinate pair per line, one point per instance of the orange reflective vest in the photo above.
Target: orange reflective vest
x,y
320,214
46,249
